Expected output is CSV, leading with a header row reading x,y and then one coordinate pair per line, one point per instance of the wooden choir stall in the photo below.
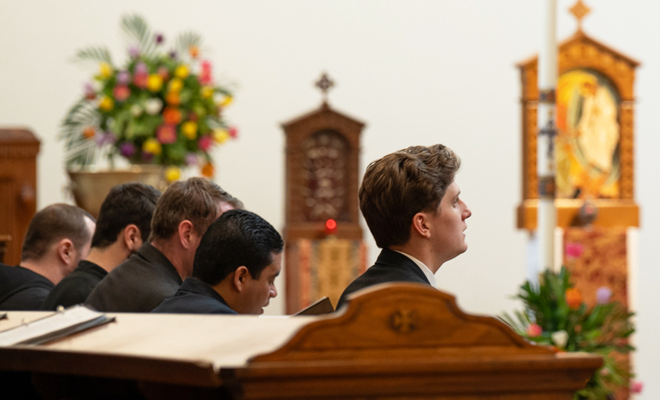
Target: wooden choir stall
x,y
393,341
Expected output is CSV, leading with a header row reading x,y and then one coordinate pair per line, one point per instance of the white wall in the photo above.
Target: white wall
x,y
418,72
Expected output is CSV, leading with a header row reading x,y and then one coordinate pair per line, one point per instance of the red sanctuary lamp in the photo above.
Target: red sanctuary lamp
x,y
330,227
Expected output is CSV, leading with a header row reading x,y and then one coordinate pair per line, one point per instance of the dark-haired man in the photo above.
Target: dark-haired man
x,y
412,206
235,268
124,223
182,215
59,236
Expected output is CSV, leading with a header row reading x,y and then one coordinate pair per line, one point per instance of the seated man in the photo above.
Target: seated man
x,y
59,236
182,215
124,224
412,207
235,268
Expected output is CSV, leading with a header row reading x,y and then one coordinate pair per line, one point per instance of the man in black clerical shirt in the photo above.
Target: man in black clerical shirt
x,y
235,268
59,236
156,270
412,206
124,223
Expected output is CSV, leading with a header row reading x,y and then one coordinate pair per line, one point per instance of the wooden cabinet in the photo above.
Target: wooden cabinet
x,y
18,185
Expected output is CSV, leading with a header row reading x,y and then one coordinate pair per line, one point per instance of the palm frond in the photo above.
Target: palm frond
x,y
185,40
138,33
94,53
78,149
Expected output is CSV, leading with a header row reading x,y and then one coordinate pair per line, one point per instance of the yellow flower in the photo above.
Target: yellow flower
x,y
176,85
105,70
207,92
152,146
189,130
227,101
155,82
220,135
172,174
106,103
181,71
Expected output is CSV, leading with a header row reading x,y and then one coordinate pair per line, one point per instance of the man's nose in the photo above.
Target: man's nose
x,y
273,292
467,212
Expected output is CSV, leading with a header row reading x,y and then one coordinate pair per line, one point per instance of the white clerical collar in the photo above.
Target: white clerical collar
x,y
427,272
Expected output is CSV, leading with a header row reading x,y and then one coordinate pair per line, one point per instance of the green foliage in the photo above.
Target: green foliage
x,y
555,306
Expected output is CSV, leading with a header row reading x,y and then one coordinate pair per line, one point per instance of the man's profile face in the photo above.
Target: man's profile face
x,y
258,292
449,224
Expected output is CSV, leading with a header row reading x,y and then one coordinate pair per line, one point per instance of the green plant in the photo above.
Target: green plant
x,y
555,315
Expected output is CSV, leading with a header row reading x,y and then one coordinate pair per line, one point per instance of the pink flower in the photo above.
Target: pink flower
x,y
533,330
133,51
205,142
603,295
141,68
166,134
636,387
90,93
205,74
164,73
124,78
191,159
121,92
233,132
141,80
574,250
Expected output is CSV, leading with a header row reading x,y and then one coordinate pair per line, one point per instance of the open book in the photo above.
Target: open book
x,y
58,325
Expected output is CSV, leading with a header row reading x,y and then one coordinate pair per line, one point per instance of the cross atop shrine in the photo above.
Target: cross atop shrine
x,y
579,10
325,83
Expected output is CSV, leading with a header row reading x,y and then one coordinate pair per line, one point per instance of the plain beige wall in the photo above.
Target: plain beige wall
x,y
417,72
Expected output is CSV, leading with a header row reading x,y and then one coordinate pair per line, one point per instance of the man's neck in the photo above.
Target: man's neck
x,y
175,254
421,253
44,267
109,257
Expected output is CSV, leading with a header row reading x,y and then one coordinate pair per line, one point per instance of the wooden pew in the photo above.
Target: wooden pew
x,y
390,342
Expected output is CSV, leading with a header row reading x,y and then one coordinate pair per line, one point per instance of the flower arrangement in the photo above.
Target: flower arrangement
x,y
160,107
556,316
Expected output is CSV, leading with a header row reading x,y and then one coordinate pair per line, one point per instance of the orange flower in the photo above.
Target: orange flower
x,y
573,298
173,98
208,170
194,51
89,132
171,116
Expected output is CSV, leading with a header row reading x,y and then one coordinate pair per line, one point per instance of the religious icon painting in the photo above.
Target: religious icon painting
x,y
587,144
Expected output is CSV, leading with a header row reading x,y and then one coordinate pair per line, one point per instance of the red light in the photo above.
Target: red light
x,y
330,226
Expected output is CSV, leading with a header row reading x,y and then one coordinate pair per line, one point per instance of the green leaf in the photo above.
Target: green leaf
x,y
98,54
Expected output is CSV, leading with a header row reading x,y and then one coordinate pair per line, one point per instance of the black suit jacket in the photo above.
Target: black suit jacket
x,y
139,284
194,297
390,267
75,287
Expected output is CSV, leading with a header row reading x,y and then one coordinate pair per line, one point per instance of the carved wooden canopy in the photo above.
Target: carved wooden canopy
x,y
614,198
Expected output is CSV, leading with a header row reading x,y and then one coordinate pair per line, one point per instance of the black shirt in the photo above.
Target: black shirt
x,y
22,289
76,287
194,297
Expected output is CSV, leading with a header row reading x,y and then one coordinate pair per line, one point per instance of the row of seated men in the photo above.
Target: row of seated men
x,y
194,249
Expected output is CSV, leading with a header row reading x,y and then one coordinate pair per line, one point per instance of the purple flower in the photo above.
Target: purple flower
x,y
134,51
127,149
105,138
147,157
124,77
603,295
191,159
159,38
173,55
141,69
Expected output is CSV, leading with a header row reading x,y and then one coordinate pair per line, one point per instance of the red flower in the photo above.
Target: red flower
x,y
574,250
233,132
140,80
121,92
171,116
205,143
166,134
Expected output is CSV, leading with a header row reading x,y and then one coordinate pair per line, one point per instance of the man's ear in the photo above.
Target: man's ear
x,y
186,233
132,237
66,251
420,224
241,274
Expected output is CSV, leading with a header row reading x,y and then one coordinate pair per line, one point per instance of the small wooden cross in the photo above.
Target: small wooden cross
x,y
579,10
325,83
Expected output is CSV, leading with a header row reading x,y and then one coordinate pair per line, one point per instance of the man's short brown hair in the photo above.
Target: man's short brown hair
x,y
400,185
53,223
195,200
